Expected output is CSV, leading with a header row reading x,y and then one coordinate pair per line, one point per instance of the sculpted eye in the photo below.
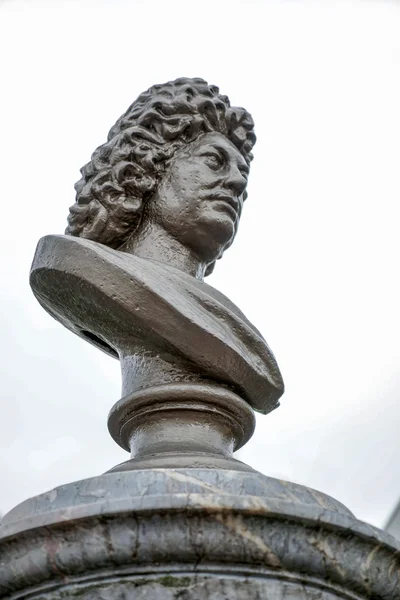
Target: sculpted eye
x,y
214,161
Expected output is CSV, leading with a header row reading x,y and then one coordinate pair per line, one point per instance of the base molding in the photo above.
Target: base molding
x,y
192,533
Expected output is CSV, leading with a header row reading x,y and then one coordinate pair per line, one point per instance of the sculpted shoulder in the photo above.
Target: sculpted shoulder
x,y
126,304
80,255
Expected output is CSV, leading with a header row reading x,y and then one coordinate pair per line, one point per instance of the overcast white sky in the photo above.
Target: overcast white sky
x,y
316,262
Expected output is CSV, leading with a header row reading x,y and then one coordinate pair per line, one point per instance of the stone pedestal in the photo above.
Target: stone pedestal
x,y
192,534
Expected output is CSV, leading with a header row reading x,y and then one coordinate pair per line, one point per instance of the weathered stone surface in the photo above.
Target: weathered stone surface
x,y
189,533
181,586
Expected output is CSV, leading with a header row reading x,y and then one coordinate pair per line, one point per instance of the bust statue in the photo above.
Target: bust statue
x,y
156,206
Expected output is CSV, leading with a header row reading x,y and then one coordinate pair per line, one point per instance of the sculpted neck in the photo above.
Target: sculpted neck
x,y
155,243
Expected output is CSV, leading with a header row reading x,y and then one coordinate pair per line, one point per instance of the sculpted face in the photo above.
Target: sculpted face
x,y
200,198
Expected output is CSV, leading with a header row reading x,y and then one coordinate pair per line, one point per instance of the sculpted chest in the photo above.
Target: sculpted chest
x,y
178,340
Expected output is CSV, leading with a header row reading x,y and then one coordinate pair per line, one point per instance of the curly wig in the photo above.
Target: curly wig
x,y
124,172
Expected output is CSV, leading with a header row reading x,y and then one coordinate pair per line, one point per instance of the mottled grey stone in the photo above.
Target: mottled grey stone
x,y
189,533
181,586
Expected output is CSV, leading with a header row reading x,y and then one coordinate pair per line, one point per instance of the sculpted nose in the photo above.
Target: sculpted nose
x,y
235,181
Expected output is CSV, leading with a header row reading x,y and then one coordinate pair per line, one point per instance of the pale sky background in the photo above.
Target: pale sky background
x,y
316,262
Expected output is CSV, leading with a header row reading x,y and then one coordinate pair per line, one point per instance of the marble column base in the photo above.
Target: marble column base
x,y
192,534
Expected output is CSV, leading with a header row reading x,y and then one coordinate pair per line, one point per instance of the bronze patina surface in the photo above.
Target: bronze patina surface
x,y
157,206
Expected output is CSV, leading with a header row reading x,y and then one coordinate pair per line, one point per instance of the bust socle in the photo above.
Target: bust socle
x,y
157,205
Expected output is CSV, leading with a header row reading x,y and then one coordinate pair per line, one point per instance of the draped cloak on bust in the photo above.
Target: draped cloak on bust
x,y
163,324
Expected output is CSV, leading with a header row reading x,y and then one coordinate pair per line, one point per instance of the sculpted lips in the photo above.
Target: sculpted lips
x,y
225,201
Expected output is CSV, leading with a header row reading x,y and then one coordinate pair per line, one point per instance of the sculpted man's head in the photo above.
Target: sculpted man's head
x,y
170,182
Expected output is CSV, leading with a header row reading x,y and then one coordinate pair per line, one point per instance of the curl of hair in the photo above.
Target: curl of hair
x,y
124,172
